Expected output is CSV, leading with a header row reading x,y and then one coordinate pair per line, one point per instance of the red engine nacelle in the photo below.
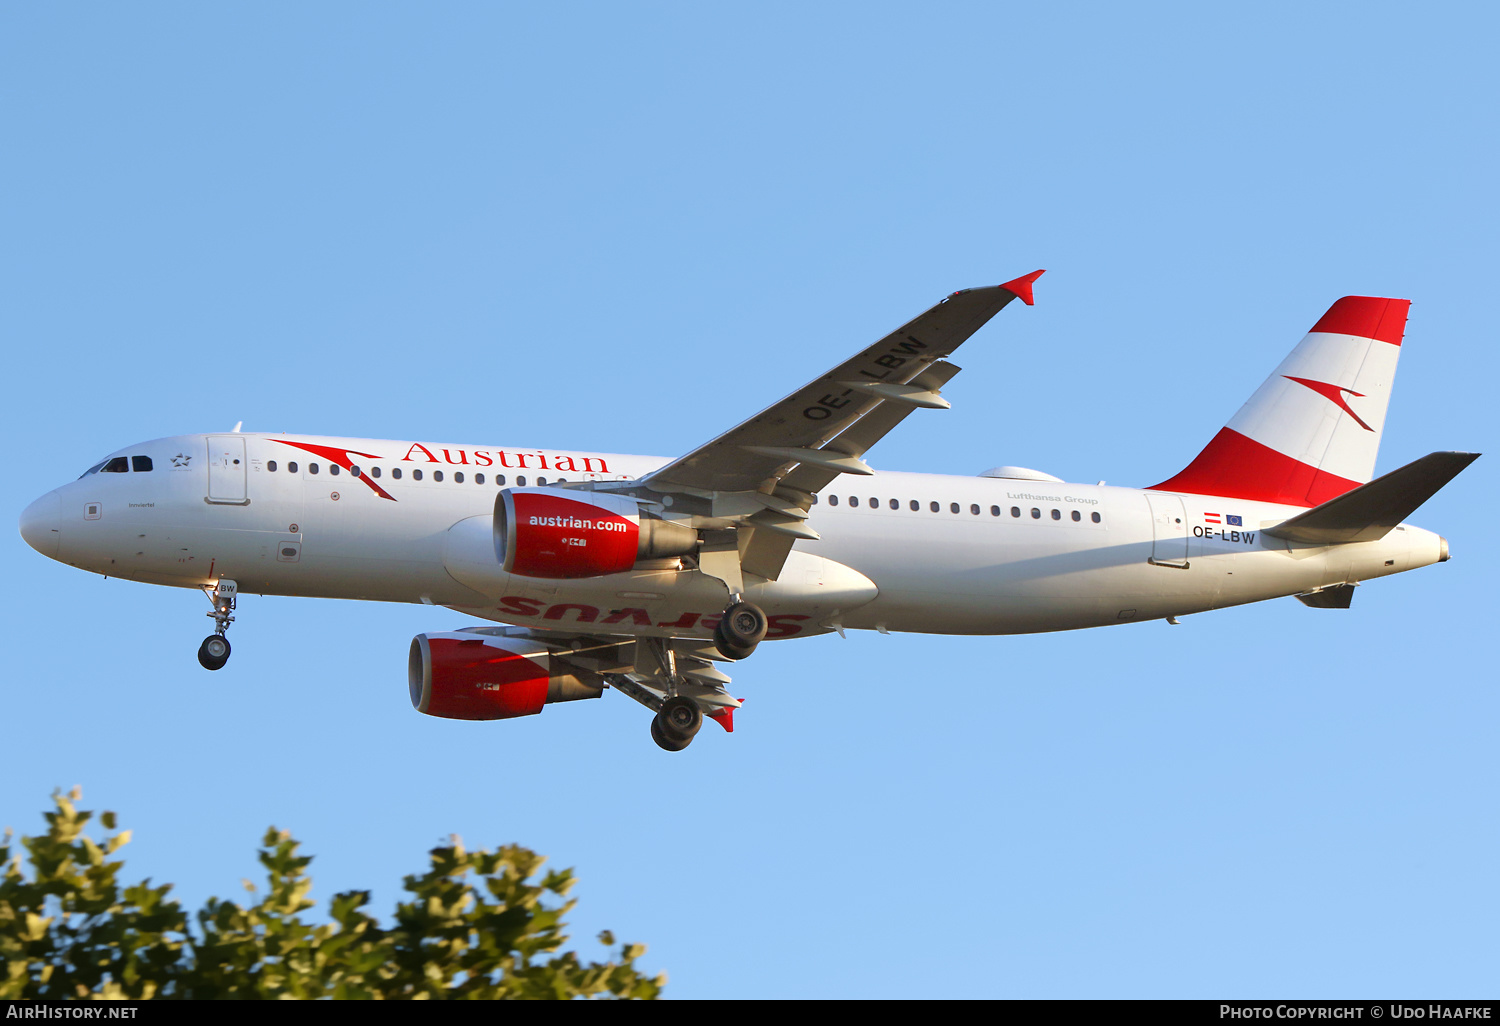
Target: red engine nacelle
x,y
545,532
468,675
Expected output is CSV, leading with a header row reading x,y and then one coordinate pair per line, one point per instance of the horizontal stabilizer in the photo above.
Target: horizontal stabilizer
x,y
1369,512
1337,597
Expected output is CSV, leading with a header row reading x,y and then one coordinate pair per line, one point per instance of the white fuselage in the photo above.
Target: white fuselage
x,y
899,551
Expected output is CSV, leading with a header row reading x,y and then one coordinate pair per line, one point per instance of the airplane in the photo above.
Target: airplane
x,y
646,575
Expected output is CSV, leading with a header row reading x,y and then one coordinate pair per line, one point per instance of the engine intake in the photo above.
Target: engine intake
x,y
466,675
560,535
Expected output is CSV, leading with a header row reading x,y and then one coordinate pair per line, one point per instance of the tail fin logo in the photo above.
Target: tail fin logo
x,y
1333,394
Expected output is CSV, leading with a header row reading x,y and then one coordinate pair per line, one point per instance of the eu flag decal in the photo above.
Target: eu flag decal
x,y
1233,521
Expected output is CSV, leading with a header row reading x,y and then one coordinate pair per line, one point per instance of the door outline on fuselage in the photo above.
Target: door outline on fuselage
x,y
1169,533
227,471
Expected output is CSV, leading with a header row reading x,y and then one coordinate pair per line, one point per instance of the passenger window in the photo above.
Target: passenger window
x,y
1057,514
1077,516
500,480
140,464
312,468
118,465
354,469
520,480
1015,511
374,471
895,504
814,500
854,500
541,481
479,479
874,502
291,468
437,475
1036,514
974,508
396,473
953,507
416,475
271,466
994,511
916,507
333,470
1095,518
458,477
833,500
936,507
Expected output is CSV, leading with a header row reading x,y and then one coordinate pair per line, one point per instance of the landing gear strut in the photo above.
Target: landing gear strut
x,y
740,629
214,652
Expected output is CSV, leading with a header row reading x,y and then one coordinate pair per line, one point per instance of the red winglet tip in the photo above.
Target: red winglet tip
x,y
1022,286
724,718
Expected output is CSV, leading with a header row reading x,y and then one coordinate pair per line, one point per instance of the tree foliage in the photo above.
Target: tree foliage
x,y
475,925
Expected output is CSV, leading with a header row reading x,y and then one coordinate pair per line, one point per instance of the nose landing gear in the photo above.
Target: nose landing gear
x,y
214,652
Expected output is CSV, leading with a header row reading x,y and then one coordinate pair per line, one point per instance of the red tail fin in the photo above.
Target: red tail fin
x,y
1312,431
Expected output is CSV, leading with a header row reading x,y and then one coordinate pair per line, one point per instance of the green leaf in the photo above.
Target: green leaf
x,y
476,925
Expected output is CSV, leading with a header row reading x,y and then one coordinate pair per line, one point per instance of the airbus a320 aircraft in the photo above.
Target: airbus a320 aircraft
x,y
646,575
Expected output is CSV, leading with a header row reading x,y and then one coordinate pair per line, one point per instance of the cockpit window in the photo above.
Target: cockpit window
x,y
119,465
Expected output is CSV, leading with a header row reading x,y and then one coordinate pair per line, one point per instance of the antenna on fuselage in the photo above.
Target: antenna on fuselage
x,y
237,425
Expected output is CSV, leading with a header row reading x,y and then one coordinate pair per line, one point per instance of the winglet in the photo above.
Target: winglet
x,y
1022,286
724,718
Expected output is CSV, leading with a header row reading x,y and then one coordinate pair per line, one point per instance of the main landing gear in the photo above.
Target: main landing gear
x,y
677,723
679,716
678,720
214,652
739,630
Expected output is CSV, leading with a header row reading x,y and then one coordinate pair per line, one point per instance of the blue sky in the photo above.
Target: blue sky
x,y
627,227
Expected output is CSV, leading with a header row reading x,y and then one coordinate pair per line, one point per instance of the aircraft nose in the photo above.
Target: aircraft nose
x,y
41,524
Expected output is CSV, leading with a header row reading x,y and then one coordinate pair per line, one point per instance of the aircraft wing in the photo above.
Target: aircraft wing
x,y
755,482
804,428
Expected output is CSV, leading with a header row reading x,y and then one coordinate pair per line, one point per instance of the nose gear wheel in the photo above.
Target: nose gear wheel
x,y
214,652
